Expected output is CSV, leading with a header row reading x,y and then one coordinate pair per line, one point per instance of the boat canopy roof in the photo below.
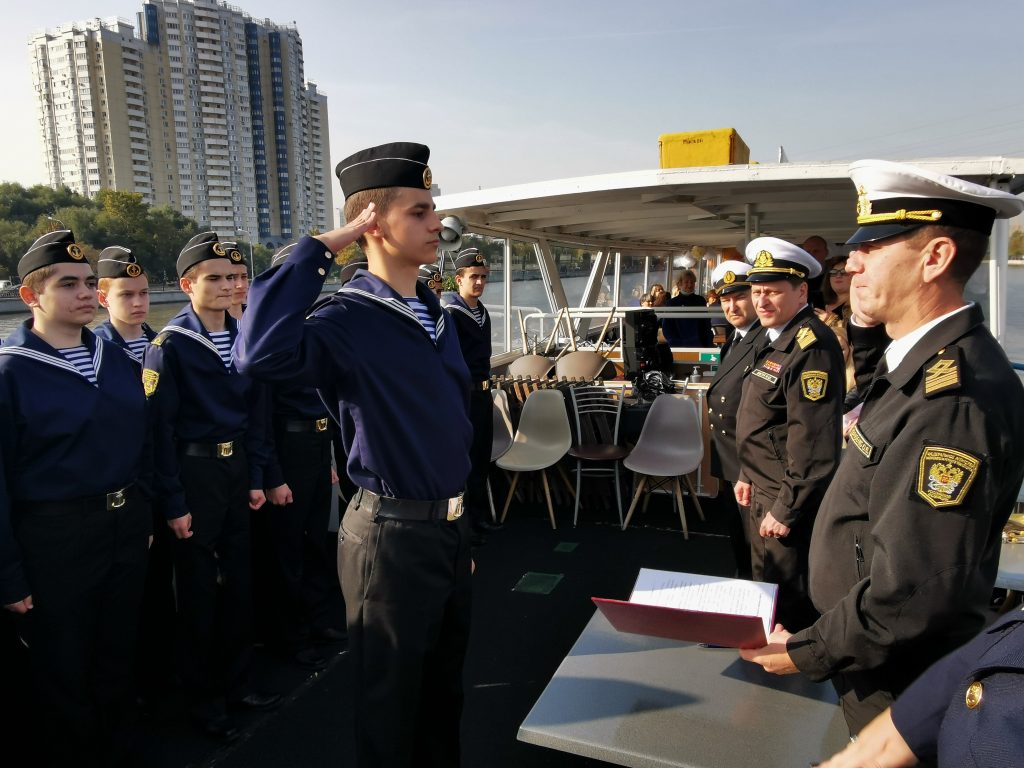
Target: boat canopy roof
x,y
665,210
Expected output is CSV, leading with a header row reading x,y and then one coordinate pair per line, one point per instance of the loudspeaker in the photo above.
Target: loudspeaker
x,y
640,348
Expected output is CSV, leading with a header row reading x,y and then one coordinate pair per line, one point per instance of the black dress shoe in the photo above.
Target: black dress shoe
x,y
310,658
329,635
258,701
220,729
487,526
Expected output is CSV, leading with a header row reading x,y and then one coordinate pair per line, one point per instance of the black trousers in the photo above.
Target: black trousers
x,y
155,668
783,562
736,523
86,570
481,406
302,560
407,599
213,574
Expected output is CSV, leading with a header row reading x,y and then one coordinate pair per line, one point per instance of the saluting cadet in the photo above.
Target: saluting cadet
x,y
299,515
788,428
124,293
473,326
906,547
748,338
74,518
384,357
211,451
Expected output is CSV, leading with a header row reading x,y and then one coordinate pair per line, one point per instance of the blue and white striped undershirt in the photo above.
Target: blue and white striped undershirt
x,y
478,313
222,339
137,346
81,358
423,316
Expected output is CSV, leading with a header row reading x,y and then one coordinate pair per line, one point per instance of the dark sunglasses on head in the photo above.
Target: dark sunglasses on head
x,y
836,272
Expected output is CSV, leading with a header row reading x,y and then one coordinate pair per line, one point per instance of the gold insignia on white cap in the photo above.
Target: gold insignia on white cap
x,y
729,277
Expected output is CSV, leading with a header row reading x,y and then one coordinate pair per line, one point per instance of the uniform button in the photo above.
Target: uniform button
x,y
321,271
723,431
328,255
723,398
973,697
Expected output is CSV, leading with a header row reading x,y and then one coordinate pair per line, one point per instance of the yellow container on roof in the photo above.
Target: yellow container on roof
x,y
695,149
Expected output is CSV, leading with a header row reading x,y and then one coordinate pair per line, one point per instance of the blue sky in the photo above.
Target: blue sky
x,y
523,91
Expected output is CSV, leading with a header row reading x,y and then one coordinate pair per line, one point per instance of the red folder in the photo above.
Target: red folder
x,y
724,629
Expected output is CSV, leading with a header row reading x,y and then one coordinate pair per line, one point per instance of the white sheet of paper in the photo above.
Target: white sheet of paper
x,y
711,594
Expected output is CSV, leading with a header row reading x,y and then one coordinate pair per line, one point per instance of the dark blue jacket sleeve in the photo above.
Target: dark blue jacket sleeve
x,y
160,371
259,444
14,585
276,342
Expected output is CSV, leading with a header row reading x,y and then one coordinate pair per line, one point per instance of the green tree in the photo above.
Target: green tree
x,y
1016,250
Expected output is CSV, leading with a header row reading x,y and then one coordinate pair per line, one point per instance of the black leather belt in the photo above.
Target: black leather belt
x,y
211,450
99,502
447,510
305,425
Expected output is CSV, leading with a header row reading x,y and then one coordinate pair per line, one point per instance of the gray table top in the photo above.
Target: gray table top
x,y
643,701
1011,567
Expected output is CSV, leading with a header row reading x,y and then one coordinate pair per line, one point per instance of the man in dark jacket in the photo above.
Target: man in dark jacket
x,y
906,547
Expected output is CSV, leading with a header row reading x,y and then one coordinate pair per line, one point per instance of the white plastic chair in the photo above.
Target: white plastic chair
x,y
531,366
582,364
671,445
541,441
501,437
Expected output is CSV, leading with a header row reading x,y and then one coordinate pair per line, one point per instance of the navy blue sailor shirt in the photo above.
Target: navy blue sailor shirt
x,y
57,425
197,399
474,338
106,330
400,399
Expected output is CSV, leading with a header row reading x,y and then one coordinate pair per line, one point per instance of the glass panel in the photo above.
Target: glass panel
x,y
528,294
631,280
574,267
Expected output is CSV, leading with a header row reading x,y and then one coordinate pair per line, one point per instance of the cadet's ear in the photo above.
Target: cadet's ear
x,y
28,295
102,296
186,285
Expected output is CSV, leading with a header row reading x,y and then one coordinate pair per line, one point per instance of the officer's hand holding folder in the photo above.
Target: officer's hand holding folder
x,y
733,613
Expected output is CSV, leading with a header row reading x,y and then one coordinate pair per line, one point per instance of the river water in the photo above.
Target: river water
x,y
531,293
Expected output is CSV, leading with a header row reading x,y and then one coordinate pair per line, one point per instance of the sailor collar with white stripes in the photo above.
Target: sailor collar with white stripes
x,y
25,344
366,285
187,323
455,303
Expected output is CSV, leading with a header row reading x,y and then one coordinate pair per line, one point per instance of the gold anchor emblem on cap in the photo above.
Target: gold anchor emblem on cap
x,y
764,259
235,256
974,694
133,270
729,277
218,249
75,252
428,177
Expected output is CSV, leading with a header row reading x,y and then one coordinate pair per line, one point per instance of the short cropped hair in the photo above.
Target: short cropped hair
x,y
103,284
35,279
382,198
971,247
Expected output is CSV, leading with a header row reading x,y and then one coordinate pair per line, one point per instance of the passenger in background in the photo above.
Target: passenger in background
x,y
431,277
788,426
723,397
123,290
212,455
74,511
473,326
687,332
836,312
658,295
817,246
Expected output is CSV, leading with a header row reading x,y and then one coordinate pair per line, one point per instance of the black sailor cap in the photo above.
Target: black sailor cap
x,y
470,257
118,261
203,247
57,247
399,164
430,276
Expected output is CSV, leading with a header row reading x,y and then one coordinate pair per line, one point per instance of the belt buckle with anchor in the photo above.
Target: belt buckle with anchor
x,y
226,450
116,500
454,508
321,425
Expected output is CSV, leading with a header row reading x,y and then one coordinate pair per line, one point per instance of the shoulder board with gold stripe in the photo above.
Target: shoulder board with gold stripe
x,y
805,337
159,339
942,372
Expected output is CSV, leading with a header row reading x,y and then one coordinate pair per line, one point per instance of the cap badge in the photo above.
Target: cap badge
x,y
428,178
75,252
235,256
729,277
218,249
863,204
133,270
764,259
479,259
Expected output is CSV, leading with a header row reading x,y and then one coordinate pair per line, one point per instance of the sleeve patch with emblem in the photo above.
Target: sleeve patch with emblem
x,y
814,384
156,342
150,379
805,337
944,475
861,443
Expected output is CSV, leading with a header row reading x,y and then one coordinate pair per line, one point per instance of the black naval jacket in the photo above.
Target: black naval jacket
x,y
788,430
474,339
906,546
737,359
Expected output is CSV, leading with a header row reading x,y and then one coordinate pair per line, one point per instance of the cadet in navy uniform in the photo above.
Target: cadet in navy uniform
x,y
124,292
748,338
211,451
906,546
299,513
965,711
431,277
473,325
384,357
788,428
74,517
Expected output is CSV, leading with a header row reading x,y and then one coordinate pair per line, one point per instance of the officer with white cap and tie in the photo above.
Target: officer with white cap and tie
x,y
748,337
906,546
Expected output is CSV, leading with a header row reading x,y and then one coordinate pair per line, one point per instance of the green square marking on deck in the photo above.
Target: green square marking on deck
x,y
538,583
566,546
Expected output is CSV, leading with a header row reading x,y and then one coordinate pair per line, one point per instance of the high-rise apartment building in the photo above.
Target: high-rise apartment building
x,y
205,109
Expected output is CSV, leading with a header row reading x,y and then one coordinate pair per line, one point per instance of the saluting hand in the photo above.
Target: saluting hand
x,y
338,238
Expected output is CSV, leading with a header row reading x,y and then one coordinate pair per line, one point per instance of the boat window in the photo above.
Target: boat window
x,y
631,279
574,266
528,293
